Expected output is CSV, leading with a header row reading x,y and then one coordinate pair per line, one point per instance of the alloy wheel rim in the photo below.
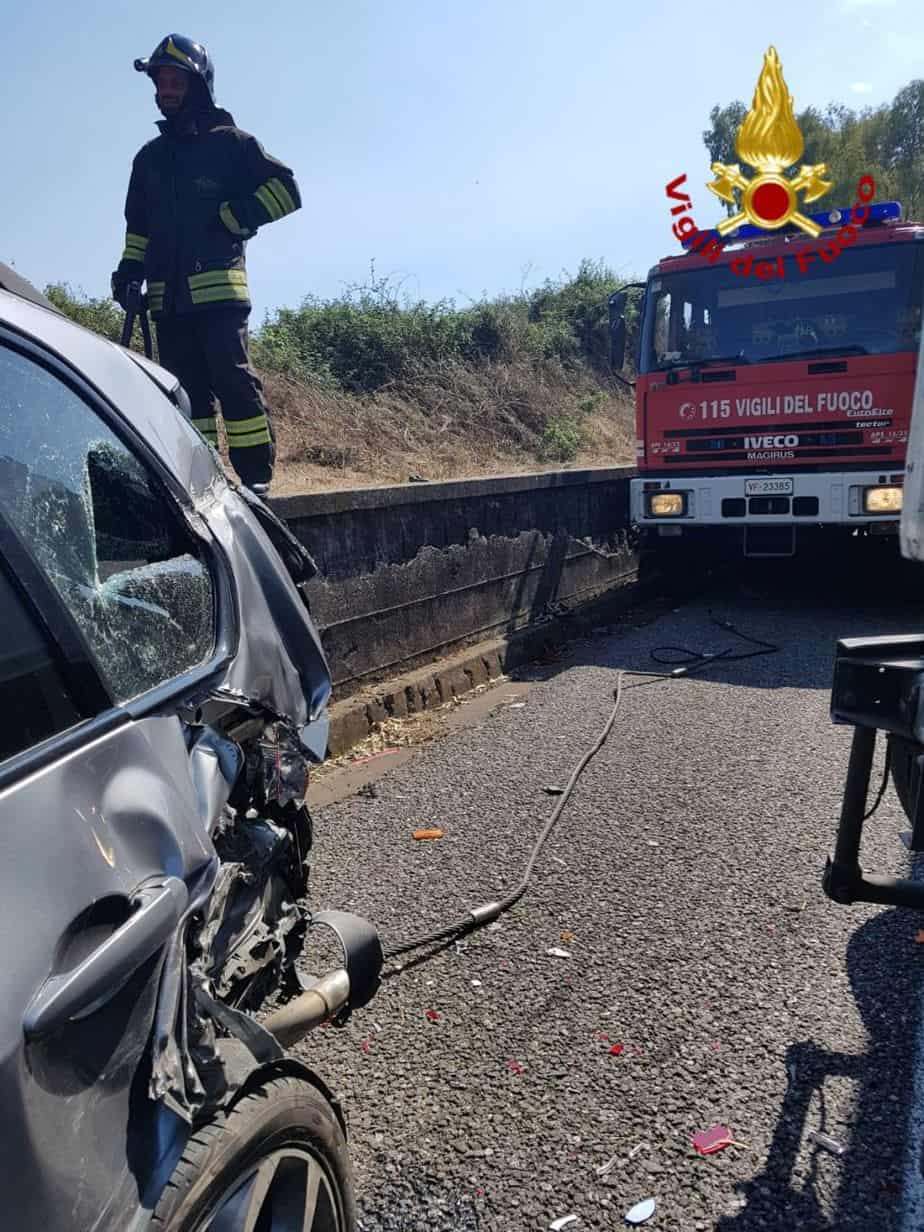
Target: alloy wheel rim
x,y
286,1191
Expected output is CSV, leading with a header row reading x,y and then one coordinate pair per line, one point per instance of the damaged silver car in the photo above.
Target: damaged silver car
x,y
163,695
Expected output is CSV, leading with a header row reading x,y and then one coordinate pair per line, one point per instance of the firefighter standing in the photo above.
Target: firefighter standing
x,y
197,193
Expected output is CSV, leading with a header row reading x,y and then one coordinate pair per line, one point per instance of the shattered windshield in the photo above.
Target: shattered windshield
x,y
868,302
108,539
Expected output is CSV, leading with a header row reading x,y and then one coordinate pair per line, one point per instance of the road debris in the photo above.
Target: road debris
x,y
567,936
515,1067
518,706
919,936
565,1222
431,833
635,1150
829,1144
361,761
715,1138
616,1050
433,1015
557,952
608,1166
552,789
641,1212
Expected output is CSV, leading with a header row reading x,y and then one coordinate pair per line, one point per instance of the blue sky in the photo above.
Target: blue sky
x,y
468,146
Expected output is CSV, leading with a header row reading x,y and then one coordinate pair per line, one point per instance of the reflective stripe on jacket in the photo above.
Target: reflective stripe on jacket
x,y
197,193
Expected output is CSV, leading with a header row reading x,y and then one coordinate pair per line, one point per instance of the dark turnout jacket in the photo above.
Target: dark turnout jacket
x,y
197,193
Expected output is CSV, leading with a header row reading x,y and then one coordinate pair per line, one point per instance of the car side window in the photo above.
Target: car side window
x,y
33,699
108,538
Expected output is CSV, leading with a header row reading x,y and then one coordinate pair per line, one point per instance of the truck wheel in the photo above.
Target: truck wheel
x,y
277,1161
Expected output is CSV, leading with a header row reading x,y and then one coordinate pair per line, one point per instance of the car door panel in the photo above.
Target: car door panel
x,y
92,836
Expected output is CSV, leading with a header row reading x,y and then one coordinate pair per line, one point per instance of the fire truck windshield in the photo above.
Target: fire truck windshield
x,y
867,303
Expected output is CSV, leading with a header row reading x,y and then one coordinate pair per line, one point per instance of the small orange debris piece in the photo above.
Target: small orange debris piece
x,y
919,936
434,833
566,936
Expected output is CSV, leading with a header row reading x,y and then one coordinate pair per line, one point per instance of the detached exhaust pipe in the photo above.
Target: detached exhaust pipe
x,y
354,983
321,1001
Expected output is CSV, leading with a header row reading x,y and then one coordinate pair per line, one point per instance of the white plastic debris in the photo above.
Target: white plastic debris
x,y
830,1144
607,1167
565,1222
641,1212
557,952
521,706
476,983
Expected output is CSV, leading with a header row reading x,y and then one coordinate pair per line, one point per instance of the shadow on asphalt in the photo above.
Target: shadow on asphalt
x,y
856,593
886,979
878,1185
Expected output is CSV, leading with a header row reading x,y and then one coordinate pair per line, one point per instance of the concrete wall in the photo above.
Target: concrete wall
x,y
408,573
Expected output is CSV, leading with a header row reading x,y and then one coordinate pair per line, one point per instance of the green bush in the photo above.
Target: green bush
x,y
590,403
574,313
372,337
104,316
561,440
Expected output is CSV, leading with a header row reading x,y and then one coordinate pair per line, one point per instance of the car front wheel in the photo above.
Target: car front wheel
x,y
278,1162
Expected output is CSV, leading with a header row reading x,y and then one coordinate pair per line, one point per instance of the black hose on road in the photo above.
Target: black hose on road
x,y
688,662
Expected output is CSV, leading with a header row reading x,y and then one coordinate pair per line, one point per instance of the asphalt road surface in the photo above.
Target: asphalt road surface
x,y
708,980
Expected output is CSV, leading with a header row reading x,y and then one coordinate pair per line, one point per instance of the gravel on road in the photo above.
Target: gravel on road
x,y
500,1085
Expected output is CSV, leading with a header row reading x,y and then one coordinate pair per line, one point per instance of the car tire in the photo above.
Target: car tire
x,y
280,1140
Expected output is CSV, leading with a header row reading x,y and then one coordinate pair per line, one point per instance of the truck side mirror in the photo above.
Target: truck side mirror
x,y
617,307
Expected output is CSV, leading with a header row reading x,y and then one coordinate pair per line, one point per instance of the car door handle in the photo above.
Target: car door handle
x,y
159,907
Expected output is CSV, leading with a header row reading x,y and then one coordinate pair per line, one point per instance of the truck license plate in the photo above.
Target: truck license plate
x,y
768,487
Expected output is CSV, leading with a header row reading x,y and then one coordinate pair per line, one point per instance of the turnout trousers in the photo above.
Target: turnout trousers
x,y
207,353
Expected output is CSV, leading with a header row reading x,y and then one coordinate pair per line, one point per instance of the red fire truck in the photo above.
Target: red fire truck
x,y
772,407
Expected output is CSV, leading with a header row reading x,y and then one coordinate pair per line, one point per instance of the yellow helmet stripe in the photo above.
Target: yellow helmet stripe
x,y
172,50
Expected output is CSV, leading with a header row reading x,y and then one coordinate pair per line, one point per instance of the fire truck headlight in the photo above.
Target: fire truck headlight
x,y
667,504
882,500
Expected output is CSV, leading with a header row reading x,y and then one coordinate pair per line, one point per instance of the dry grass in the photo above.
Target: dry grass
x,y
453,421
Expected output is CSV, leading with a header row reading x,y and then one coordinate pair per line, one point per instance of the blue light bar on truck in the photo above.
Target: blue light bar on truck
x,y
885,211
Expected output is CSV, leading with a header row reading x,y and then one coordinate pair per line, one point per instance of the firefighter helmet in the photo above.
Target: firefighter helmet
x,y
178,51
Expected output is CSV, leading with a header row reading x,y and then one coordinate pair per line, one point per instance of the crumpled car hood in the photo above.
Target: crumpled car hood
x,y
279,661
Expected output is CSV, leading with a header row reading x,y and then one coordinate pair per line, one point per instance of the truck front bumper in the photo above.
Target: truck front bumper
x,y
840,499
